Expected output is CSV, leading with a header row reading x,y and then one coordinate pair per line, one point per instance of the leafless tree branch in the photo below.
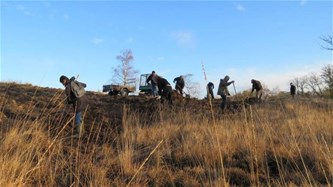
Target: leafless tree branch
x,y
329,42
125,72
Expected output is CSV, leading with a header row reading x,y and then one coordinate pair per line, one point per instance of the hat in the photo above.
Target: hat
x,y
62,78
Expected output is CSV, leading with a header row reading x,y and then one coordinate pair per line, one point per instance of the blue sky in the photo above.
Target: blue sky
x,y
272,41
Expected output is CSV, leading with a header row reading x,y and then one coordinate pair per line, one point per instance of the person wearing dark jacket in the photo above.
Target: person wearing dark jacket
x,y
79,103
210,87
256,85
165,90
292,90
180,83
223,90
153,78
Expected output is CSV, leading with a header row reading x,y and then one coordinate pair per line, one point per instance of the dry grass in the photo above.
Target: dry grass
x,y
283,143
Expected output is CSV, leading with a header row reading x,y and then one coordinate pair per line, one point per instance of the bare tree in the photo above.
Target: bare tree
x,y
300,84
315,84
327,76
328,41
125,72
192,88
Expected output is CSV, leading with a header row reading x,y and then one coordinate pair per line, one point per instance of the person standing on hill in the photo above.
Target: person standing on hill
x,y
256,85
223,90
210,87
292,90
180,83
75,93
153,78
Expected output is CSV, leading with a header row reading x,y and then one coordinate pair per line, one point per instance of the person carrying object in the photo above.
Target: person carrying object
x,y
76,96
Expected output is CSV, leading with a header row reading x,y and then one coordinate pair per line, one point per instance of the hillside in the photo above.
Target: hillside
x,y
136,141
37,102
32,102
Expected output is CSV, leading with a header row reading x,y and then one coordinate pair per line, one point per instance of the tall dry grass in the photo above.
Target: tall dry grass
x,y
285,143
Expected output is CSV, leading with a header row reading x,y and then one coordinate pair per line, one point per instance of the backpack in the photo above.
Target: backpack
x,y
77,88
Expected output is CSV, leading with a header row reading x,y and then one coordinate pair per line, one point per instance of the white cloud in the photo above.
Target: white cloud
x,y
129,40
23,10
281,80
303,2
97,41
46,4
240,7
184,38
272,79
161,58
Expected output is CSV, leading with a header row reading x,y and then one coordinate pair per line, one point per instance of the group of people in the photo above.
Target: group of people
x,y
224,92
159,86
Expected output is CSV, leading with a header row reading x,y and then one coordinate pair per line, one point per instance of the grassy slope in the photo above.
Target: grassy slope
x,y
134,142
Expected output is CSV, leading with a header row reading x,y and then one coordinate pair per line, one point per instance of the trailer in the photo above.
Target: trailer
x,y
123,90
